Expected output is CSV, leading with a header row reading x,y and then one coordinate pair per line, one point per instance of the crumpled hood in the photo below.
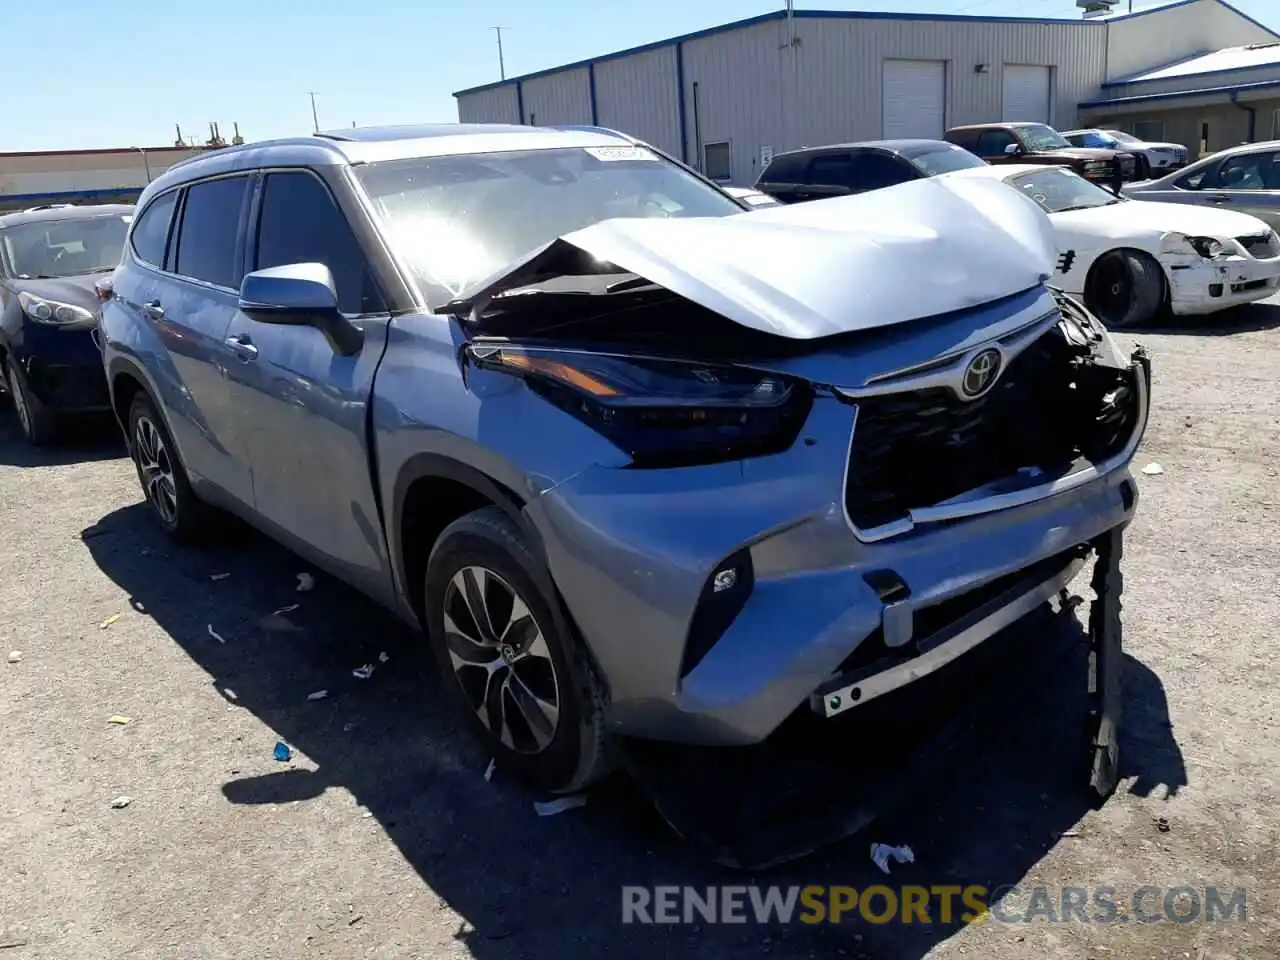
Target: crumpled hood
x,y
826,267
1157,217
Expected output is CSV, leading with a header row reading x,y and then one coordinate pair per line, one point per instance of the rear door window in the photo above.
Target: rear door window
x,y
872,171
832,170
300,223
992,143
208,238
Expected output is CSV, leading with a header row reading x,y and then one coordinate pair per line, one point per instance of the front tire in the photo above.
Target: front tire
x,y
164,481
512,665
1125,289
39,424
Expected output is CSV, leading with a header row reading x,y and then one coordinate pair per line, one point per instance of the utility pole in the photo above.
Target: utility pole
x,y
502,67
315,120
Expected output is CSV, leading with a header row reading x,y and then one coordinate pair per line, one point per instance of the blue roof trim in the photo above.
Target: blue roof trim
x,y
1179,94
774,16
72,195
1117,18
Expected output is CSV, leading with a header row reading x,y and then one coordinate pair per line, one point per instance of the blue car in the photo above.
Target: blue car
x,y
638,463
50,259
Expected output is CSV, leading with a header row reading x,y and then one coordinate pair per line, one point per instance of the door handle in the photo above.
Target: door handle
x,y
243,347
1219,199
153,310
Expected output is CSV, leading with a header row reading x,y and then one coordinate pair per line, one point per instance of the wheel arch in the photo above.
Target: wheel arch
x,y
1136,251
125,379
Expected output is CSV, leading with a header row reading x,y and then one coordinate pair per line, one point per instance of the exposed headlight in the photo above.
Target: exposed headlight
x,y
1206,247
52,311
661,412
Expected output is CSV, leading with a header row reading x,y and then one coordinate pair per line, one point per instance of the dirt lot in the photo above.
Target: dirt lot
x,y
382,839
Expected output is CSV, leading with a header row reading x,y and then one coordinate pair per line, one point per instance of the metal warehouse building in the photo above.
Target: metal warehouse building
x,y
725,99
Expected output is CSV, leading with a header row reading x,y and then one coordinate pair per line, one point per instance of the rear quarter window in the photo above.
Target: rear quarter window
x,y
785,169
151,230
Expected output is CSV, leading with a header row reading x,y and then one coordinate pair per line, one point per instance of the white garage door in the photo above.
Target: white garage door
x,y
1026,94
915,98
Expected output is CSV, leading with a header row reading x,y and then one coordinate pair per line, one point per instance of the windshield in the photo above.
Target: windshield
x,y
943,158
63,248
1097,138
1037,137
1057,190
458,219
1122,136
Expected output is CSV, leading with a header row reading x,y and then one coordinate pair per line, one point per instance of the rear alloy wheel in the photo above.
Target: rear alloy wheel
x,y
512,664
39,423
162,476
1125,289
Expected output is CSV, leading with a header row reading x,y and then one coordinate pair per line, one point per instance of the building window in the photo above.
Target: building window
x,y
1204,138
1151,131
717,160
1275,125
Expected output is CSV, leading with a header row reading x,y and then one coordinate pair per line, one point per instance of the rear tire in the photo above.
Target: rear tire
x,y
510,662
39,424
1125,288
173,504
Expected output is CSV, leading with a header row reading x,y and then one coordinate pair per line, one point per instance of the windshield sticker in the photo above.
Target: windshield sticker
x,y
614,154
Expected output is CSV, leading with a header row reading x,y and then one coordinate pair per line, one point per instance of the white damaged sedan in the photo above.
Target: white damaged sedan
x,y
1129,259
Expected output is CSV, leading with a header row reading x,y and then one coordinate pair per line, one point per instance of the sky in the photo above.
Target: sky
x,y
121,73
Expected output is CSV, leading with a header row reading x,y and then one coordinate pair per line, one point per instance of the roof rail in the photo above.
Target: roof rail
x,y
48,206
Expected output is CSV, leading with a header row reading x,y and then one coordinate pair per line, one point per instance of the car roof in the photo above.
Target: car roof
x,y
894,146
1004,171
67,211
359,145
1000,124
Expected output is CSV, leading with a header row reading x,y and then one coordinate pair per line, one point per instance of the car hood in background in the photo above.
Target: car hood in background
x,y
77,291
1138,216
808,270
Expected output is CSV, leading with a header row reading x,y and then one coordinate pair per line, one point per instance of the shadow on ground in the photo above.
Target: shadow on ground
x,y
80,441
1249,318
546,887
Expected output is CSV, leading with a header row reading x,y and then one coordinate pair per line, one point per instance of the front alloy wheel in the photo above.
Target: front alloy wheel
x,y
501,661
38,423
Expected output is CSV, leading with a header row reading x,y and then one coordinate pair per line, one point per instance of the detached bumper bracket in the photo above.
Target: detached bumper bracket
x,y
1106,661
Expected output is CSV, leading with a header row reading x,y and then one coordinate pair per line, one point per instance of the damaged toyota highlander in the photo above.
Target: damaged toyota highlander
x,y
639,464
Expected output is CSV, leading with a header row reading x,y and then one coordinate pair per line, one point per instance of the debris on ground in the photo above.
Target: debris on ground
x,y
283,610
15,656
363,673
318,695
550,808
214,633
119,720
1069,833
282,752
488,771
383,657
1153,469
306,582
881,852
356,919
1162,824
109,621
219,576
120,802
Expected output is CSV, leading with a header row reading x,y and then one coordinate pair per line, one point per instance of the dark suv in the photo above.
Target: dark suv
x,y
1040,143
816,172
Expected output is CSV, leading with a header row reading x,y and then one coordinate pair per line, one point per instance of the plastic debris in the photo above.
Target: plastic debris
x,y
283,610
1153,469
109,621
219,576
488,771
282,752
363,673
305,582
214,633
382,657
119,803
881,852
119,720
1162,824
15,656
551,808
366,815
318,695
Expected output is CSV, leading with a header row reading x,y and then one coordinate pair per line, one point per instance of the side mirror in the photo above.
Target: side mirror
x,y
1012,150
300,294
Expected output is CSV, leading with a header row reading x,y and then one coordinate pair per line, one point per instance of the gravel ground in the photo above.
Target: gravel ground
x,y
381,838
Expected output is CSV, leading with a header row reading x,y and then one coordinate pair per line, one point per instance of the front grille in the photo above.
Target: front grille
x,y
1260,246
1127,165
1049,408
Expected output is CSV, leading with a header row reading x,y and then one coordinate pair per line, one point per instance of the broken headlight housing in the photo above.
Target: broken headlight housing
x,y
1206,247
662,412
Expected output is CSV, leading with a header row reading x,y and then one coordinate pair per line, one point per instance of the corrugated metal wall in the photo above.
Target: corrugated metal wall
x,y
493,105
557,98
1162,37
637,94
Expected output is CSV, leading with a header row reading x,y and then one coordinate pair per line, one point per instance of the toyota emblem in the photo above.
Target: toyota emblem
x,y
981,373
